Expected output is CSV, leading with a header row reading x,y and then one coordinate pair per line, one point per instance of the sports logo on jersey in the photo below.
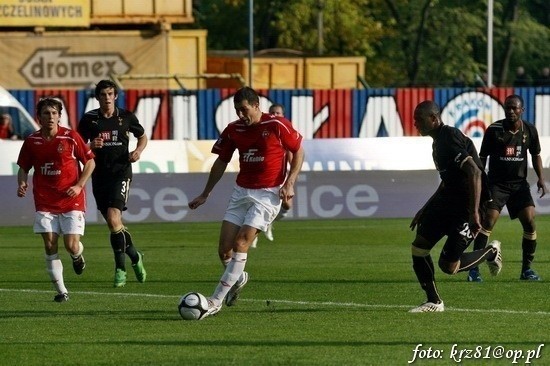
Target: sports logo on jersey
x,y
510,151
265,134
251,157
46,169
60,148
458,158
105,135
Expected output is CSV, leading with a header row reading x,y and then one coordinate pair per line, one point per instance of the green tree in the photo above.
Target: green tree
x,y
520,38
405,42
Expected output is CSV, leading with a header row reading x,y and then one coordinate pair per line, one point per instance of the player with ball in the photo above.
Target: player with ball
x,y
263,183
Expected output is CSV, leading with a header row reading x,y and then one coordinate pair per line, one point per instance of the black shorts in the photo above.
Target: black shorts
x,y
446,217
111,193
516,196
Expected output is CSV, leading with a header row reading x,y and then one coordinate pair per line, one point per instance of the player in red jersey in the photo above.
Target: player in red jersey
x,y
56,153
262,141
277,110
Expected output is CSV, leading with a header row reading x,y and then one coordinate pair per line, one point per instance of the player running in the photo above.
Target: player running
x,y
262,141
506,142
108,130
55,153
452,211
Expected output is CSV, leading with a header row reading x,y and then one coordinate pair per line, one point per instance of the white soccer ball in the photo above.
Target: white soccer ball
x,y
193,306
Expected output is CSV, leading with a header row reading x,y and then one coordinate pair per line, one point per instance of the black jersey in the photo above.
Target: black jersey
x,y
450,148
508,151
113,158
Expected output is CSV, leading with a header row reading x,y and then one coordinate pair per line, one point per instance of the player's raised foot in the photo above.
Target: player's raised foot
x,y
428,307
61,297
213,309
269,233
254,243
120,278
139,270
474,275
529,275
495,264
234,293
79,264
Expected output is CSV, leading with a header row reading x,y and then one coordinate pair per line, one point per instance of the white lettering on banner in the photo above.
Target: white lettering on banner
x,y
304,118
301,197
353,197
185,117
317,198
381,111
341,165
325,201
147,111
470,112
165,199
158,198
171,199
169,156
362,194
542,107
144,212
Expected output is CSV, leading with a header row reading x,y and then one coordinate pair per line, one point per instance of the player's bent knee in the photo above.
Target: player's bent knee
x,y
448,267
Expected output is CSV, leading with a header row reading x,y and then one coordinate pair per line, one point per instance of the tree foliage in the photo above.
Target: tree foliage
x,y
405,42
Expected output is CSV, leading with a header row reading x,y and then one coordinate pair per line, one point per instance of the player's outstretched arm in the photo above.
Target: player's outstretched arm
x,y
216,172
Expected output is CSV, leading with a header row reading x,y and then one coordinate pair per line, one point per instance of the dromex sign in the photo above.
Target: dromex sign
x,y
56,66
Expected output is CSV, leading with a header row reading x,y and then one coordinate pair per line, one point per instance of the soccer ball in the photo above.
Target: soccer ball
x,y
193,306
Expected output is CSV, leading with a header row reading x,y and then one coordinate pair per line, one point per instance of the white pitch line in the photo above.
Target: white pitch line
x,y
291,302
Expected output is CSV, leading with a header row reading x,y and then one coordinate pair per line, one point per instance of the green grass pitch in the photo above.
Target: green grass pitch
x,y
323,293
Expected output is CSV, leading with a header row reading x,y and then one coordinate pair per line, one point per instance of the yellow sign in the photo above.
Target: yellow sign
x,y
45,13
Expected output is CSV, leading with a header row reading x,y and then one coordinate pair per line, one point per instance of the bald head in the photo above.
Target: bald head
x,y
428,107
426,117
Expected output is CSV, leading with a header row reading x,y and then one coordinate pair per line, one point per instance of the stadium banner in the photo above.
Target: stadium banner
x,y
51,13
202,114
319,195
321,155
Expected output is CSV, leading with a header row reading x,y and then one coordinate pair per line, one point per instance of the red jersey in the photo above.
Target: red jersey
x,y
262,150
56,169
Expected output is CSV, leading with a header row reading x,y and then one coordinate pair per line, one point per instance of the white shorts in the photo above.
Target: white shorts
x,y
253,207
71,222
